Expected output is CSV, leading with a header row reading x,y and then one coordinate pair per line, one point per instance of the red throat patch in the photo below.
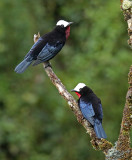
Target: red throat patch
x,y
67,32
79,95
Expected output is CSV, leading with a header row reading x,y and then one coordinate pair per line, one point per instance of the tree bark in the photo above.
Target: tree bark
x,y
123,143
126,6
122,149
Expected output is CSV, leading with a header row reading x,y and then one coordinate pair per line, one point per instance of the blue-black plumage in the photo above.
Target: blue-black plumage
x,y
91,108
47,46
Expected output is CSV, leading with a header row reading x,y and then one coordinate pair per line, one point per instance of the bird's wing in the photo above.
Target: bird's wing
x,y
100,112
87,111
48,52
36,48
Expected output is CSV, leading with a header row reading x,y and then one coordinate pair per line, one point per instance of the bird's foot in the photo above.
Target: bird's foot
x,y
47,64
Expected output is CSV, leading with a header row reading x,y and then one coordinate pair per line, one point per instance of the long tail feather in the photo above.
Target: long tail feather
x,y
37,62
100,133
20,68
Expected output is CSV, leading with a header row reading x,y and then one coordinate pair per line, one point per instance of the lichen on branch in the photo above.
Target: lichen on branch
x,y
123,143
126,6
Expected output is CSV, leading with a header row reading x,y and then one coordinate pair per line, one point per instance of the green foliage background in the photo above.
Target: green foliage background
x,y
35,122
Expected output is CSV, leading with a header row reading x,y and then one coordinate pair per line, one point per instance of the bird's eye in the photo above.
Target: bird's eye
x,y
62,25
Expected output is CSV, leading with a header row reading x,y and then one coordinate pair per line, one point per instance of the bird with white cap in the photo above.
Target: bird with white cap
x,y
91,108
47,46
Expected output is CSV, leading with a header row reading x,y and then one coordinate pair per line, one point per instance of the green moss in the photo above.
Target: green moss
x,y
125,132
102,145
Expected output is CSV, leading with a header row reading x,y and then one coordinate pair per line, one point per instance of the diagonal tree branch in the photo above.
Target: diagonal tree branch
x,y
98,144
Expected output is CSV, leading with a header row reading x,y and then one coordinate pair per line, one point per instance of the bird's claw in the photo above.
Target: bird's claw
x,y
47,64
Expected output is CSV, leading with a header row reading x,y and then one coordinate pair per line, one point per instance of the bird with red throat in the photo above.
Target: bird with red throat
x,y
91,108
47,46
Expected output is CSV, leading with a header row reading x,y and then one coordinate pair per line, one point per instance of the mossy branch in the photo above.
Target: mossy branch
x,y
126,6
123,143
98,144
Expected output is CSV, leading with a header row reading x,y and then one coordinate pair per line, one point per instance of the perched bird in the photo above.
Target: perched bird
x,y
47,46
91,108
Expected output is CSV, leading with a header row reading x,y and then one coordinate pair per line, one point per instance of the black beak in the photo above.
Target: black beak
x,y
73,90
